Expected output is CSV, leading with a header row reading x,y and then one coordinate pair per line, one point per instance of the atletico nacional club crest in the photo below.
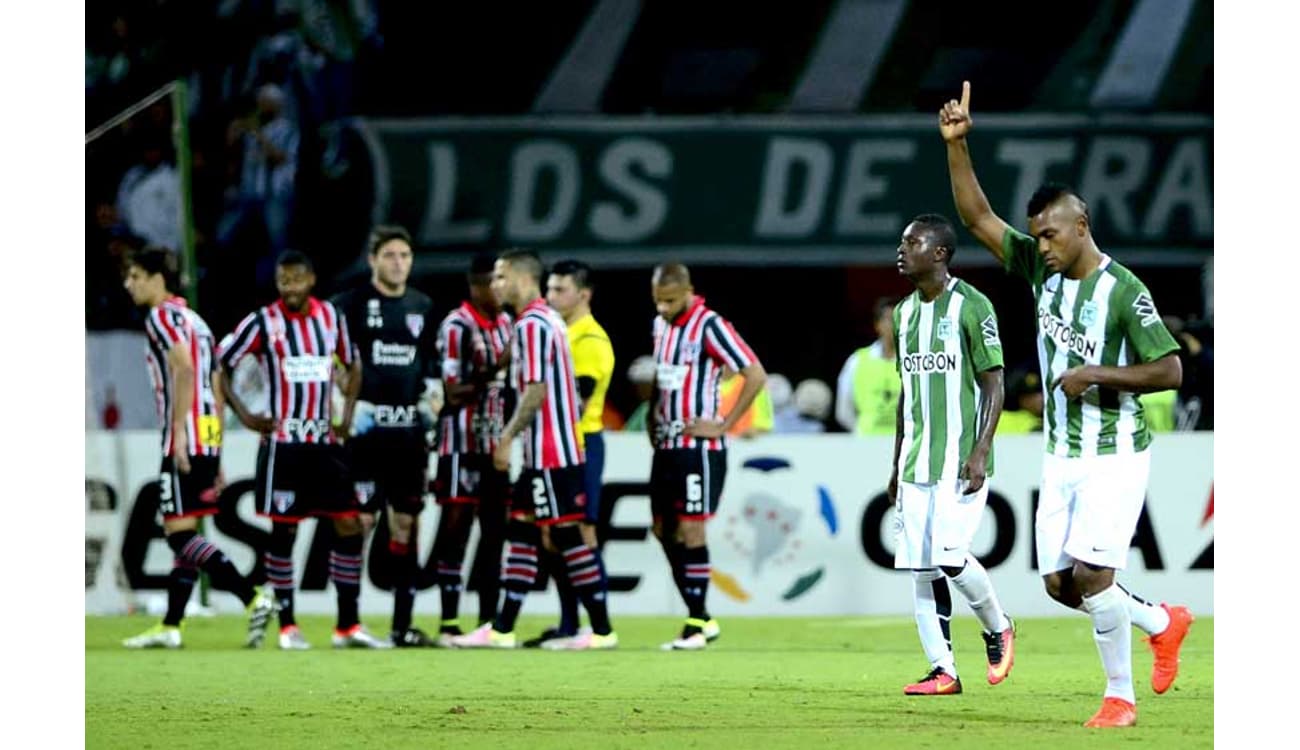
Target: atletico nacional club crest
x,y
415,323
1088,314
944,331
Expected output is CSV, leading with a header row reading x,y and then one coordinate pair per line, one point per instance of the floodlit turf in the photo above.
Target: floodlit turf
x,y
769,682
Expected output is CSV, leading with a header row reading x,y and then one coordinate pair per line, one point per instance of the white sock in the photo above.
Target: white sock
x,y
973,582
1111,630
1147,617
1152,619
933,612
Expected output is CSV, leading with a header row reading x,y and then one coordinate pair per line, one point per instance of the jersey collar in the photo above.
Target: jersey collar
x,y
313,305
689,311
473,312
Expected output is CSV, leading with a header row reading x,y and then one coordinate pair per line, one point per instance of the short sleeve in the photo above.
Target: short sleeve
x,y
1020,256
246,339
980,324
1142,325
722,343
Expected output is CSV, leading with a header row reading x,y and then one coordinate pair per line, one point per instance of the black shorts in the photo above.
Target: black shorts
x,y
469,478
389,467
556,495
686,483
297,480
188,495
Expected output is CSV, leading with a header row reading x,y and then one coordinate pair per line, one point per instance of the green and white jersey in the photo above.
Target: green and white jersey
x,y
1105,319
942,344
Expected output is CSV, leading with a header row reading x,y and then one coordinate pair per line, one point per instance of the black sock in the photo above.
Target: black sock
x,y
674,552
180,584
204,555
568,597
695,574
583,565
279,569
518,573
485,574
450,586
345,570
404,558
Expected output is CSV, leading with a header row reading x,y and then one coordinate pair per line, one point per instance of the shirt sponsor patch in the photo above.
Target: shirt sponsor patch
x,y
671,377
305,368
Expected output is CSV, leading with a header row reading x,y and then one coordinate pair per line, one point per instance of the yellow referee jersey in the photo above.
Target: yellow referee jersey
x,y
593,357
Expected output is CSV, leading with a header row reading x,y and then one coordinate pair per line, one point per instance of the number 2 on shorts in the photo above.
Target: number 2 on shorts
x,y
541,508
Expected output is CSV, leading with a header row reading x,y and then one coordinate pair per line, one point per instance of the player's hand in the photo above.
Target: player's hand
x,y
342,431
260,423
974,471
892,488
180,449
954,118
501,456
219,484
707,429
1073,381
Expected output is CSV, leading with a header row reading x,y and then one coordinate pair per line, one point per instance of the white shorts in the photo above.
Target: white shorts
x,y
1088,508
935,523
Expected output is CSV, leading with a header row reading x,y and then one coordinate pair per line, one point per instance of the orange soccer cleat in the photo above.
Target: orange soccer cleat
x,y
1001,649
938,682
1165,647
1115,712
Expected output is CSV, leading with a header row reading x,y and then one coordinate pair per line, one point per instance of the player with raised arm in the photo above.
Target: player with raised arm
x,y
950,364
1100,343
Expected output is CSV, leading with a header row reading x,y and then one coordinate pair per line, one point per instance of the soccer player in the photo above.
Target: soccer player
x,y
181,366
547,497
568,291
692,347
950,364
1100,343
473,342
301,470
390,329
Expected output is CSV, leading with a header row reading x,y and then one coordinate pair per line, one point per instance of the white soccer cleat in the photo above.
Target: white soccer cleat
x,y
692,642
357,637
291,639
712,630
159,636
259,615
484,637
583,641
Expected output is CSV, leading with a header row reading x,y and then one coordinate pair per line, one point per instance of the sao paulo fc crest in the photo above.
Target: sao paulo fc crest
x,y
415,323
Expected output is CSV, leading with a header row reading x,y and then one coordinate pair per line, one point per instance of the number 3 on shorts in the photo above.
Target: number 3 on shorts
x,y
165,501
694,495
541,508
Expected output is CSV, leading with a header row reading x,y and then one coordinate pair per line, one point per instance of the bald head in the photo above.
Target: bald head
x,y
672,291
671,273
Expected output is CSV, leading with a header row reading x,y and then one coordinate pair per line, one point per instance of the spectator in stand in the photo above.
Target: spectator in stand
x,y
866,392
1194,405
757,419
812,400
149,196
265,192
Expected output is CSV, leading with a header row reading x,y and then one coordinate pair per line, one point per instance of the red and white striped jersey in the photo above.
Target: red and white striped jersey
x,y
172,324
297,350
540,354
471,348
690,354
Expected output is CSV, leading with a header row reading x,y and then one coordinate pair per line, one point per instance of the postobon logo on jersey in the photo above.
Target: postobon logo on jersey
x,y
1065,336
929,362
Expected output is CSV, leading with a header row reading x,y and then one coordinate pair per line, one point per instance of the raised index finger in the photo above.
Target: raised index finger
x,y
965,96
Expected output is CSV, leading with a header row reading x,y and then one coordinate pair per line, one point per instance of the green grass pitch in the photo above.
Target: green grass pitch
x,y
768,682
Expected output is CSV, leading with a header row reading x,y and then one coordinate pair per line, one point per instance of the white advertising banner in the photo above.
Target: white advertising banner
x,y
803,529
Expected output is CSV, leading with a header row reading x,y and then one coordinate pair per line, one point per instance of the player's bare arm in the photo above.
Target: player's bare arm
x,y
892,488
1161,374
975,470
260,423
351,391
182,372
973,207
529,403
755,378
